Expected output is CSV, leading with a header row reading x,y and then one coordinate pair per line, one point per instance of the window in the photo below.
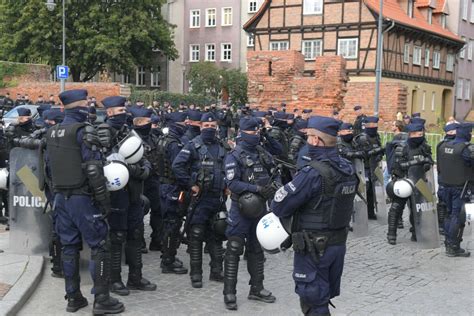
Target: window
x,y
433,96
195,19
430,16
210,52
311,49
252,6
450,62
347,47
155,76
226,52
125,79
140,76
462,52
427,57
464,9
194,52
250,40
406,53
443,21
459,89
423,101
472,11
410,8
436,59
226,16
313,7
467,89
470,47
210,17
281,45
417,55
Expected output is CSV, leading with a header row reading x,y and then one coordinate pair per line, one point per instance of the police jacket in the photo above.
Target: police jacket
x,y
169,147
412,162
372,147
320,196
390,147
202,164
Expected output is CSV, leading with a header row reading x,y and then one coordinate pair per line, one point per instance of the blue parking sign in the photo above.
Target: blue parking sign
x,y
62,72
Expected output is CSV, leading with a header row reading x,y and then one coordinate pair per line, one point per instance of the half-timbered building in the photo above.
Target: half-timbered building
x,y
418,49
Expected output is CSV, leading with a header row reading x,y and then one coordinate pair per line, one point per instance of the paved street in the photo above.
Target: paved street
x,y
378,279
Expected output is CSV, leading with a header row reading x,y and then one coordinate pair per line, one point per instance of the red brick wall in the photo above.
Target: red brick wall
x,y
327,90
34,89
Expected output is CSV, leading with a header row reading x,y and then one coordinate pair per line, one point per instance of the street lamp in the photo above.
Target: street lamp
x,y
51,5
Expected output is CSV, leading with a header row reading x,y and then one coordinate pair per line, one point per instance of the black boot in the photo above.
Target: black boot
x,y
169,263
216,252
75,302
392,226
231,267
55,253
155,245
255,267
413,234
195,254
134,255
103,302
116,246
441,216
456,251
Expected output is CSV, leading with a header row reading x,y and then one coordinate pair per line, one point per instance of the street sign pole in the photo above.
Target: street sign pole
x,y
63,81
378,70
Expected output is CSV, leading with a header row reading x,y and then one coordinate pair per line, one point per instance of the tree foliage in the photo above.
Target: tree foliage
x,y
208,79
100,34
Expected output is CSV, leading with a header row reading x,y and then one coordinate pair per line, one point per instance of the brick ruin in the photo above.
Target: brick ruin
x,y
278,76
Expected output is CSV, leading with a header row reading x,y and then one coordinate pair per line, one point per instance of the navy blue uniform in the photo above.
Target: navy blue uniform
x,y
318,278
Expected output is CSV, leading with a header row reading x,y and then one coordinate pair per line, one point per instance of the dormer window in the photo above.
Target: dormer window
x,y
430,16
410,8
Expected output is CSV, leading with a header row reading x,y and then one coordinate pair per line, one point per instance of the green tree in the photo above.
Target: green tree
x,y
100,34
206,79
235,82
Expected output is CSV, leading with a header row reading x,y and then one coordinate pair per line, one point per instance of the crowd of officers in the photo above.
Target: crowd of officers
x,y
298,165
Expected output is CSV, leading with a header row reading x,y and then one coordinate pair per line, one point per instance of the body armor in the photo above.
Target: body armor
x,y
151,152
332,210
256,171
452,167
211,173
65,157
163,159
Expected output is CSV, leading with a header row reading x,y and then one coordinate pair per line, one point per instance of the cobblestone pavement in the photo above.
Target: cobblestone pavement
x,y
378,279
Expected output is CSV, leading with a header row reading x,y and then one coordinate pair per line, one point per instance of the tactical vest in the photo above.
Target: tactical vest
x,y
65,157
417,171
452,167
257,171
332,209
211,169
151,151
164,162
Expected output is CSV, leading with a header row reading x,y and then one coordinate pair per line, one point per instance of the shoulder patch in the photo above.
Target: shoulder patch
x,y
280,194
230,174
291,186
184,150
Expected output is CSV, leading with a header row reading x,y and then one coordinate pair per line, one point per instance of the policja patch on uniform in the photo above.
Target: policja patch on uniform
x,y
230,174
280,195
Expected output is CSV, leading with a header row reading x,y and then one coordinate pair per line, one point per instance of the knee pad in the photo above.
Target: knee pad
x,y
117,236
198,232
235,245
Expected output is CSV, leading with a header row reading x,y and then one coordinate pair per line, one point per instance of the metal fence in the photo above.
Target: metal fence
x,y
431,139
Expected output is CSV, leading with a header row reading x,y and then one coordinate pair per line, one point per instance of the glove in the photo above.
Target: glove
x,y
426,167
266,191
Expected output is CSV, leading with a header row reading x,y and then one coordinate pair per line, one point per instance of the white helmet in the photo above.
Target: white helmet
x,y
3,179
165,130
131,148
403,188
117,175
271,233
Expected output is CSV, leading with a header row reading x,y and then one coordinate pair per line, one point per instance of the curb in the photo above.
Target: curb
x,y
26,284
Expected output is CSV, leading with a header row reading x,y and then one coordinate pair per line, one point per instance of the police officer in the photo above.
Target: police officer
x,y
411,160
298,140
344,142
224,116
193,122
450,130
320,199
24,125
92,115
456,168
200,167
168,148
40,100
359,121
251,177
369,142
39,122
126,220
7,103
82,201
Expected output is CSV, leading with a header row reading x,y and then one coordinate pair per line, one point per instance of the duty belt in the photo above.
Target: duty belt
x,y
315,243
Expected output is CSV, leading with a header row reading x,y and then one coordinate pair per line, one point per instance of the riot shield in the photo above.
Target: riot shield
x,y
379,194
360,223
423,202
30,227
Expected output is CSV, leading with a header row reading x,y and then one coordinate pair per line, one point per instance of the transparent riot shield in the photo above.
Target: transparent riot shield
x,y
360,223
30,227
379,196
423,202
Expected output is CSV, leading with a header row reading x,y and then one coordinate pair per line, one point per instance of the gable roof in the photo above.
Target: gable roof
x,y
392,10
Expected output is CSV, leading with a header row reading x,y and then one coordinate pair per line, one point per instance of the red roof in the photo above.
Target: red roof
x,y
423,3
392,10
439,6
